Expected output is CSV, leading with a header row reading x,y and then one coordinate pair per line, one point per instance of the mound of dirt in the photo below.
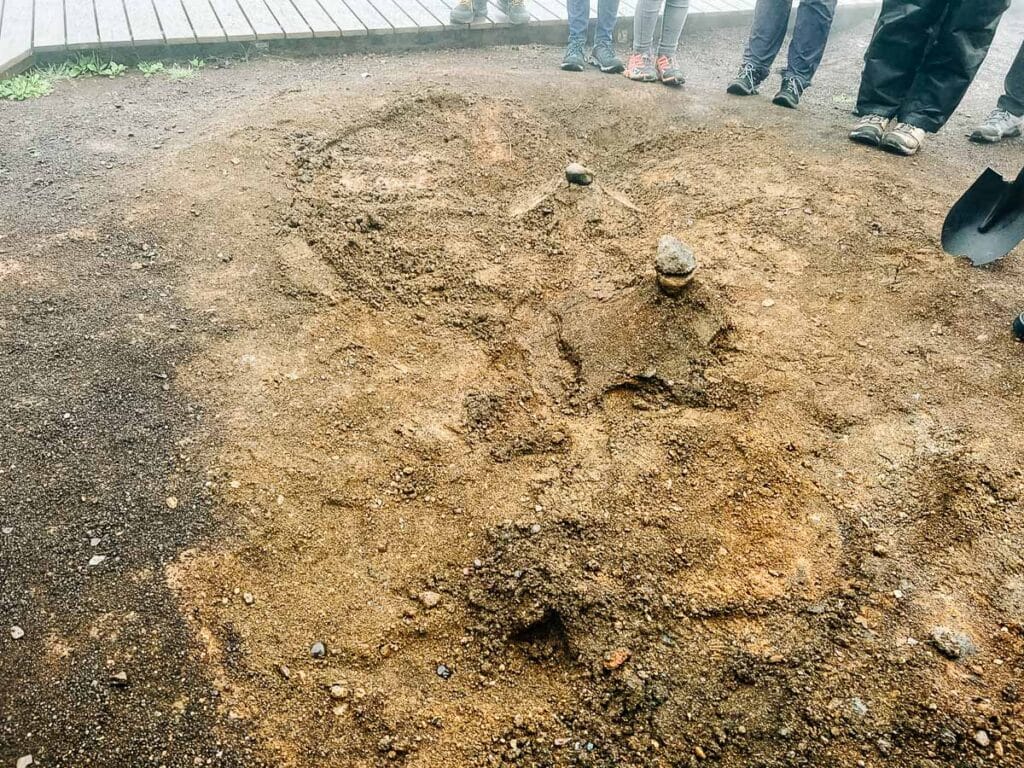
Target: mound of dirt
x,y
654,531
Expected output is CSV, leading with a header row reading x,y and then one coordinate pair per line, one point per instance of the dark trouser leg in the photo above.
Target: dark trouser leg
x,y
952,62
1012,99
813,22
902,33
771,17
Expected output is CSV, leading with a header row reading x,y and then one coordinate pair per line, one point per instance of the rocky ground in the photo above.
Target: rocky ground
x,y
339,429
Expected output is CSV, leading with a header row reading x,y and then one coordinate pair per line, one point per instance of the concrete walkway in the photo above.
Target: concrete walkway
x,y
29,27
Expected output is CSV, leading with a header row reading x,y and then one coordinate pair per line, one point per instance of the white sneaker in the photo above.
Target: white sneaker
x,y
904,139
869,129
999,125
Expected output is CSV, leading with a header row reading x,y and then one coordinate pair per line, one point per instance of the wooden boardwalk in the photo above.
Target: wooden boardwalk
x,y
47,26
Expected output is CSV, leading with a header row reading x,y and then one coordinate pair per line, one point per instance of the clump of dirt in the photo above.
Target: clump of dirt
x,y
655,531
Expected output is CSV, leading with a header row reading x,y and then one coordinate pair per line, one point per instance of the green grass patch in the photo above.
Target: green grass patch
x,y
150,68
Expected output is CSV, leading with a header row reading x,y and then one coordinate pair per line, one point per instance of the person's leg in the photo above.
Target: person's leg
x,y
641,61
1005,121
1012,100
810,34
951,63
672,26
607,14
669,71
579,19
767,31
902,33
575,59
645,20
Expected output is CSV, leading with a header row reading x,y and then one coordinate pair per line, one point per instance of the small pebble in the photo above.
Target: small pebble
x,y
119,679
430,599
17,632
24,761
172,502
318,650
339,692
97,559
444,671
248,598
982,738
768,303
616,658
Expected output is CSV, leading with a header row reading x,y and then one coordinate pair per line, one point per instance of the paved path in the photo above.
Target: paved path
x,y
46,26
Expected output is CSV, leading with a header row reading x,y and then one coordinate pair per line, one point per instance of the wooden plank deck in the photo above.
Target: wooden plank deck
x,y
37,26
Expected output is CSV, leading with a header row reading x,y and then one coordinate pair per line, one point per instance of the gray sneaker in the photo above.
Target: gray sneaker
x,y
869,130
574,60
603,57
516,11
999,125
463,12
904,139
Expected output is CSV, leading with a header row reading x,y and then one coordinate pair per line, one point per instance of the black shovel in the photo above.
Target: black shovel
x,y
988,221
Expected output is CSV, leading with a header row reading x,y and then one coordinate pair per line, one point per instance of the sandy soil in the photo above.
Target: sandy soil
x,y
412,397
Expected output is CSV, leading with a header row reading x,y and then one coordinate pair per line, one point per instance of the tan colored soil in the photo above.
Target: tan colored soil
x,y
663,531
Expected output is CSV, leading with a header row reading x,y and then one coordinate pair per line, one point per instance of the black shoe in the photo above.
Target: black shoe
x,y
574,59
746,81
789,94
603,57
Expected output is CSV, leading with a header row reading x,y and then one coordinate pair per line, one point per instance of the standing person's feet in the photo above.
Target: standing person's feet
x,y
463,12
869,130
603,57
746,81
789,94
904,139
516,11
641,67
574,60
669,71
999,125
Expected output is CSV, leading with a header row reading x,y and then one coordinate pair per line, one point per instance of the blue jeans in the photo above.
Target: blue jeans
x,y
771,18
579,18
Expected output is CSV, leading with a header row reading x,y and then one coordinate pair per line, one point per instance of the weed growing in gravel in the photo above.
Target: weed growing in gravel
x,y
91,65
150,68
30,85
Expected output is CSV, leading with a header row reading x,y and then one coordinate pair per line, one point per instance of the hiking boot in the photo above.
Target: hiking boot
x,y
746,81
463,12
641,67
516,11
999,125
574,60
603,57
904,139
869,130
669,71
789,94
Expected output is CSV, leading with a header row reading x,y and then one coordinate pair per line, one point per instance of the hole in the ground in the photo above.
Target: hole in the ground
x,y
544,639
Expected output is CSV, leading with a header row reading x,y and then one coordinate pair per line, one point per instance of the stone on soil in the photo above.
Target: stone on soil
x,y
951,643
430,599
674,257
17,632
318,650
578,174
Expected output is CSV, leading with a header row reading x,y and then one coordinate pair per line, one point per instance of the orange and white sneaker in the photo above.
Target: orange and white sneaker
x,y
669,71
641,67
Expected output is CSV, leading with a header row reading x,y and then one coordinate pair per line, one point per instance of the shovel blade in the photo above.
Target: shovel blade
x,y
962,233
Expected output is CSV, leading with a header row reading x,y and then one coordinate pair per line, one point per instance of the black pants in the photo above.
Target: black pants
x,y
923,56
1012,99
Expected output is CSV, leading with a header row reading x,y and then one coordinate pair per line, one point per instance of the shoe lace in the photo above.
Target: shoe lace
x,y
748,71
516,3
574,49
667,62
794,85
999,116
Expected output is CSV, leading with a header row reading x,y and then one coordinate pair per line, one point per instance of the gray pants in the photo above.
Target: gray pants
x,y
646,19
1012,99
